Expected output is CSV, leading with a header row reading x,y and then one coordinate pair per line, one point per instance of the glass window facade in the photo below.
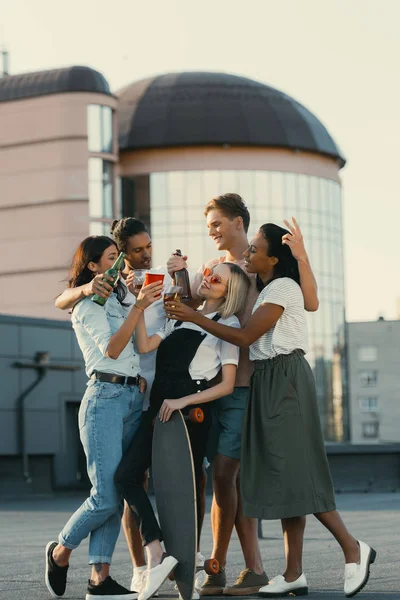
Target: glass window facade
x,y
177,202
368,403
370,430
101,192
368,378
99,228
100,128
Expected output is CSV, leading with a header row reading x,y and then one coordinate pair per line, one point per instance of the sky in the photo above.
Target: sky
x,y
340,58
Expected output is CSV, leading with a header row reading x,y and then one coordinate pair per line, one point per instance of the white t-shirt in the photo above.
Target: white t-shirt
x,y
154,317
212,353
290,331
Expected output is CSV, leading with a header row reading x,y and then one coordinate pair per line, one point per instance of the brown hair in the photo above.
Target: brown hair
x,y
91,249
232,206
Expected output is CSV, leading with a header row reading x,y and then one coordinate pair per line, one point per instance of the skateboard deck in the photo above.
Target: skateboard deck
x,y
175,491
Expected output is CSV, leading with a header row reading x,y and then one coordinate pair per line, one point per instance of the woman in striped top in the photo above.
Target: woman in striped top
x,y
285,472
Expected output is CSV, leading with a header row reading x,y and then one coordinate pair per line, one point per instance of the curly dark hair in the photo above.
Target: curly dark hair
x,y
287,265
123,229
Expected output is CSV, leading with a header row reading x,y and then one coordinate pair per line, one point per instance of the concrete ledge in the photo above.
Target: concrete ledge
x,y
35,322
365,468
332,449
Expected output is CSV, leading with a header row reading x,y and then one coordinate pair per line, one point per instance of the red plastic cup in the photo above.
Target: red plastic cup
x,y
152,278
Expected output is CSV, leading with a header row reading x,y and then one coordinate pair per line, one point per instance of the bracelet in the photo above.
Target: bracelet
x,y
136,306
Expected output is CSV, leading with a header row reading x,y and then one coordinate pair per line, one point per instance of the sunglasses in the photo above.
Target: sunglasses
x,y
213,278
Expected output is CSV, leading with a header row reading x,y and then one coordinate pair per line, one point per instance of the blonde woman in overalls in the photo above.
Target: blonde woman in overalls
x,y
187,360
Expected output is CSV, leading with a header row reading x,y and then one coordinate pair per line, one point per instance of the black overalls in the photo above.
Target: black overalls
x,y
172,380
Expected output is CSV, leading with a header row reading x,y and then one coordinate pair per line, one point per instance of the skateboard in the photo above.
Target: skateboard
x,y
175,491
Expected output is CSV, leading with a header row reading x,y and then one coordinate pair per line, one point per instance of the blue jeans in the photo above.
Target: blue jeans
x,y
108,419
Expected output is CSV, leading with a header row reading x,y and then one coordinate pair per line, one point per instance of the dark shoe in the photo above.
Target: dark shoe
x,y
55,577
109,589
247,583
214,584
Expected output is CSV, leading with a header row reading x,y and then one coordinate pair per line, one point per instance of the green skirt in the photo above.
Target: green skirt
x,y
284,468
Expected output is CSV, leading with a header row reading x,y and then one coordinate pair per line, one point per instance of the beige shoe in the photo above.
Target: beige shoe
x,y
246,584
214,584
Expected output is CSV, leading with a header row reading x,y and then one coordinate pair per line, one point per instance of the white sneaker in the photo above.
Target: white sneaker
x,y
278,586
356,575
138,582
156,576
200,559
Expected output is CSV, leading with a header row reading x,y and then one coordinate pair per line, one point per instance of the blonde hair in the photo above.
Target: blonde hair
x,y
236,294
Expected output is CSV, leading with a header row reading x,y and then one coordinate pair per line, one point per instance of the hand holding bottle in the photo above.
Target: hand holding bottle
x,y
181,278
101,285
113,274
176,263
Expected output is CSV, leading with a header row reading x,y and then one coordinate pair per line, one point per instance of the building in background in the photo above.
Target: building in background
x,y
374,381
73,157
57,147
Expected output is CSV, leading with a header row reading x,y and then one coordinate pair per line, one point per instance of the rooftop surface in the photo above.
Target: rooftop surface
x,y
26,526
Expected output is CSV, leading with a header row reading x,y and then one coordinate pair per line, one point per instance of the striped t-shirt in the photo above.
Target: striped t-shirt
x,y
290,331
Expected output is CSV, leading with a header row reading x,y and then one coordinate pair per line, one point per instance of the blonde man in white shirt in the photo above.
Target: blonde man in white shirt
x,y
285,472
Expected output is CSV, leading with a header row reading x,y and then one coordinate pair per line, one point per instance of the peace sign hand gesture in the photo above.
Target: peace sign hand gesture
x,y
294,240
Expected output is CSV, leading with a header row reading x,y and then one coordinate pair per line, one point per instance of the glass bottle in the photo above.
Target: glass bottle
x,y
114,274
181,279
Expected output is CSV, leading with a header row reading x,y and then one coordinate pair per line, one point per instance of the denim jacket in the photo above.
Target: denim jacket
x,y
94,325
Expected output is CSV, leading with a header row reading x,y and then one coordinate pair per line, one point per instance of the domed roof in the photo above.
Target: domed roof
x,y
195,109
53,81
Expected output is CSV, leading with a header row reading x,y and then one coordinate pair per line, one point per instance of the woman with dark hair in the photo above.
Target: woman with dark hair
x,y
131,237
285,472
109,416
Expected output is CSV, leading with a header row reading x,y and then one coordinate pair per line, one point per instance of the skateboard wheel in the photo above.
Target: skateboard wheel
x,y
211,566
171,576
196,415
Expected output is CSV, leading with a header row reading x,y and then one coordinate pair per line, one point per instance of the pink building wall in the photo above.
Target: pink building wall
x,y
43,196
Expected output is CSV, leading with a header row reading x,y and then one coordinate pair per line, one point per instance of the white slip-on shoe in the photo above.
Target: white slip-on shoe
x,y
356,575
279,587
138,582
201,575
157,575
200,560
